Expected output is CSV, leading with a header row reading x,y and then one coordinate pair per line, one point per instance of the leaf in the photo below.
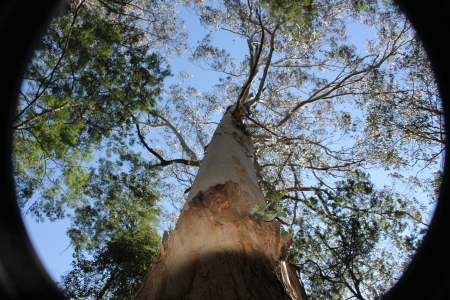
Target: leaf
x,y
269,215
257,209
282,213
284,233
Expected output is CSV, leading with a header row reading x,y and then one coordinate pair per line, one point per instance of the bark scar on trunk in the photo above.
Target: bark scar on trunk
x,y
216,198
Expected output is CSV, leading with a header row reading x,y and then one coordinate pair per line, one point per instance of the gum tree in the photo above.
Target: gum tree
x,y
287,164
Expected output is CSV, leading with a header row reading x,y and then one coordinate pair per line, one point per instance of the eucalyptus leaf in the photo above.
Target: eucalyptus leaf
x,y
284,232
257,209
269,215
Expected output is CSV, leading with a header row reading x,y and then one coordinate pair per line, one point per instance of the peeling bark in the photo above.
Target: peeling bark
x,y
218,250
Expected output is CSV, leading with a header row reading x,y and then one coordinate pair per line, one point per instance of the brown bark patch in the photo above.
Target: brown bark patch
x,y
216,198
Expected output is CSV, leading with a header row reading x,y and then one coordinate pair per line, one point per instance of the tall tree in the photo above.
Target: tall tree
x,y
300,131
217,250
286,167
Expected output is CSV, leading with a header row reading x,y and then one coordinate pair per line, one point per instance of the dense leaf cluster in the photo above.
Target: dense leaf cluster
x,y
114,233
93,79
339,245
115,271
91,75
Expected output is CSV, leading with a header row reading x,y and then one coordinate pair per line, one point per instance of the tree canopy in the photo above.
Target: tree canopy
x,y
324,114
92,75
114,233
96,72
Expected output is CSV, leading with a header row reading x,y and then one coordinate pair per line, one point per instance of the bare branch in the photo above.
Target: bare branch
x,y
262,126
335,85
253,70
266,70
164,162
185,147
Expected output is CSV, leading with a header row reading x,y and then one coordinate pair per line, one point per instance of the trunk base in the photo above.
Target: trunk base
x,y
219,251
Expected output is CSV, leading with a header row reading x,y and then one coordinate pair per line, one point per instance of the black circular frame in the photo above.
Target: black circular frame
x,y
22,276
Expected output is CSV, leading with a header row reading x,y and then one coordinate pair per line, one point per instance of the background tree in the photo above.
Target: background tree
x,y
339,243
96,73
114,233
93,73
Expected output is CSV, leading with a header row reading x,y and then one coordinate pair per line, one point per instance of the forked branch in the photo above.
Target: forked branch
x,y
185,147
164,162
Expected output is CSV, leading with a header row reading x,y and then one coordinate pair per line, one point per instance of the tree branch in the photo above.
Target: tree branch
x,y
253,71
333,86
266,70
164,162
262,126
185,147
38,95
21,125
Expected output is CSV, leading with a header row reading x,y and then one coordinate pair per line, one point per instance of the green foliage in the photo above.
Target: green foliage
x,y
92,73
263,212
296,18
117,194
115,270
300,13
369,6
91,78
399,117
275,196
340,249
114,233
300,19
436,184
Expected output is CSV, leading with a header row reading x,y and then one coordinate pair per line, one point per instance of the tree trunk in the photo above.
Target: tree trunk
x,y
217,249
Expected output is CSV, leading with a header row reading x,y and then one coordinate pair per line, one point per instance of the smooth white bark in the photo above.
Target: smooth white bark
x,y
229,158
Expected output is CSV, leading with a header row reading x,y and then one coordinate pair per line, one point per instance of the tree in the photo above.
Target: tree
x,y
217,250
114,233
338,240
287,135
92,76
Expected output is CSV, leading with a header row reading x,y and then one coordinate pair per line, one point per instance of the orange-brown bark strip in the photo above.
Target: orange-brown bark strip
x,y
218,251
